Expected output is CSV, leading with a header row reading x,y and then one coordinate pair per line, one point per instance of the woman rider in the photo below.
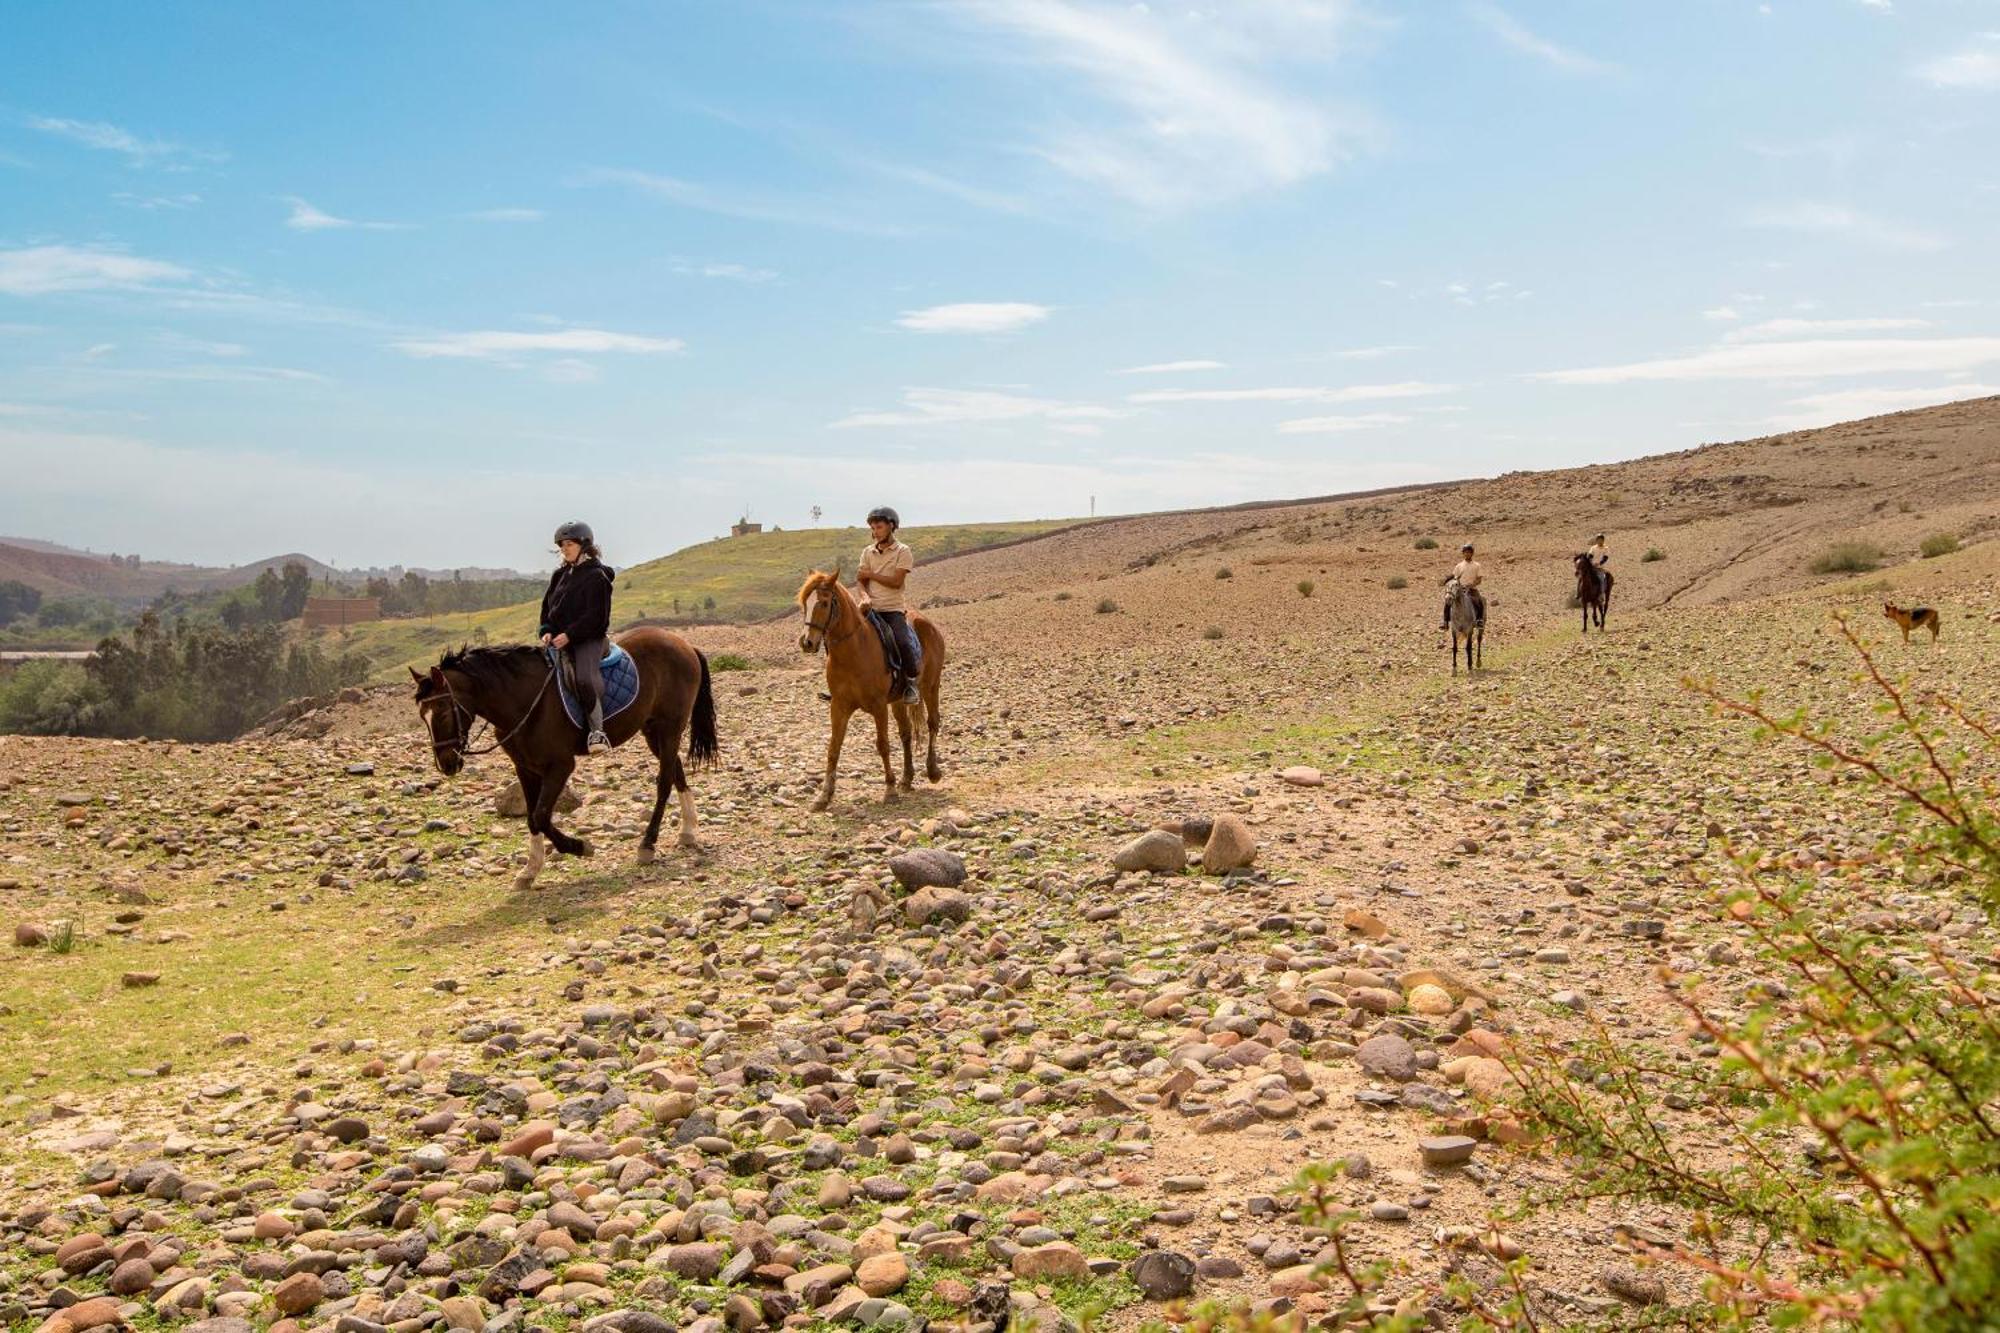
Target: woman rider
x,y
576,618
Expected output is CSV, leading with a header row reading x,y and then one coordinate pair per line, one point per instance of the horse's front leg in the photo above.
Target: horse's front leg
x,y
882,748
553,783
531,794
841,712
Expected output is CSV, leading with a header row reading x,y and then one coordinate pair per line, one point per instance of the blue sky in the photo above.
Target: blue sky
x,y
391,282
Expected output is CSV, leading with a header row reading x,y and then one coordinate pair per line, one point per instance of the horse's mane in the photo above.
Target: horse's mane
x,y
818,579
490,665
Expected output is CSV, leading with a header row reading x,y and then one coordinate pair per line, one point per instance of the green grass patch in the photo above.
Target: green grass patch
x,y
1397,582
1653,553
1848,558
1939,543
1427,543
729,662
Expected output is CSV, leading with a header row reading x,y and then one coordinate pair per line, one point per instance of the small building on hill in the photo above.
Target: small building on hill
x,y
338,612
743,527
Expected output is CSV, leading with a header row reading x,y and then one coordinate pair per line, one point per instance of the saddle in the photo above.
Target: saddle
x,y
892,653
621,683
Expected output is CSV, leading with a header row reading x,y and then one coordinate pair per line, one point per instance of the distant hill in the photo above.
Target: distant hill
x,y
64,571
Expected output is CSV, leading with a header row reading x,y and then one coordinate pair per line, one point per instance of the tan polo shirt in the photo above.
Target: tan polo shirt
x,y
1468,573
874,560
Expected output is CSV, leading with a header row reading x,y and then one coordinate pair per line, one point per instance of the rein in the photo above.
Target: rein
x,y
463,741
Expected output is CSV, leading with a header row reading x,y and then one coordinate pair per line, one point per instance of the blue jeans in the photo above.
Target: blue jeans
x,y
907,646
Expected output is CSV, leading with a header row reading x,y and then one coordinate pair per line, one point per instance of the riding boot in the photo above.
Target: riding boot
x,y
597,742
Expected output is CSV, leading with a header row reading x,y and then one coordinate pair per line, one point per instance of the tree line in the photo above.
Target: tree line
x,y
185,681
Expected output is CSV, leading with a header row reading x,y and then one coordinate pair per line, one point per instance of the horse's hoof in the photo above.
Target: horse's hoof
x,y
934,773
584,848
646,856
690,843
821,804
522,883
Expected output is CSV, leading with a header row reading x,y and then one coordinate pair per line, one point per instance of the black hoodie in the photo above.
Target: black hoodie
x,y
578,602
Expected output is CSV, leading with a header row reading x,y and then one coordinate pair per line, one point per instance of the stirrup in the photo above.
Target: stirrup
x,y
597,742
910,695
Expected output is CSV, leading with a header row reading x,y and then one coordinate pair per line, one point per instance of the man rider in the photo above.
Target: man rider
x,y
576,619
1468,573
885,567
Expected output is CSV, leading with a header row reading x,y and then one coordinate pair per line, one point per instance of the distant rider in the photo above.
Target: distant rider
x,y
1468,573
885,568
1600,560
576,618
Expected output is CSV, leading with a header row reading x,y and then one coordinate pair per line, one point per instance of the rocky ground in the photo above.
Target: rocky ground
x,y
1223,881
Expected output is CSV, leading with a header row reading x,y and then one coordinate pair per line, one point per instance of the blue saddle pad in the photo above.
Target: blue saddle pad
x,y
621,684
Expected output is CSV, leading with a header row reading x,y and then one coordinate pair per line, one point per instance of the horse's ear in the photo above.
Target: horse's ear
x,y
417,678
839,566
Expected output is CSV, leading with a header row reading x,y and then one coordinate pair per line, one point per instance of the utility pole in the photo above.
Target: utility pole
x,y
1093,506
816,513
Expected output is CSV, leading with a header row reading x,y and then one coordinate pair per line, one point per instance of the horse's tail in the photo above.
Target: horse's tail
x,y
701,727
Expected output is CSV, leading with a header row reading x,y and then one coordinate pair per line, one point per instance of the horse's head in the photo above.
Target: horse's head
x,y
819,604
448,721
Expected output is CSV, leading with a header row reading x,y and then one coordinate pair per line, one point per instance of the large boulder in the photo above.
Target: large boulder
x,y
928,867
511,804
1231,846
936,904
1160,852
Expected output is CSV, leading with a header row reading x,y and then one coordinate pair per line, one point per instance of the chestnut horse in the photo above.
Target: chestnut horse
x,y
514,691
857,676
1593,590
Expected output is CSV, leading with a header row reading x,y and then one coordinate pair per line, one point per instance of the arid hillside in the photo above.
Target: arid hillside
x,y
1228,875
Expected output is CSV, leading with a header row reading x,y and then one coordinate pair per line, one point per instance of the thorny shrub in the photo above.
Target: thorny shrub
x,y
1861,1094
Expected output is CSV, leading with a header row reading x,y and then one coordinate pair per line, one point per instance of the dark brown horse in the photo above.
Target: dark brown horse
x,y
1593,590
857,676
515,692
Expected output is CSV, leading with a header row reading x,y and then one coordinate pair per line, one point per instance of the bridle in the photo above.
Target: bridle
x,y
467,720
830,598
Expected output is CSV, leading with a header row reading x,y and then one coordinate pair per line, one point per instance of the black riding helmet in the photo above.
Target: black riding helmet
x,y
886,514
1465,549
575,531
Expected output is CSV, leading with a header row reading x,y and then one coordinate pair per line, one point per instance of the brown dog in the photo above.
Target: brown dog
x,y
1917,617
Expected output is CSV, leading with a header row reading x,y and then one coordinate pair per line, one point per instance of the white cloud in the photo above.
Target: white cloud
x,y
180,342
1976,67
1170,367
1516,34
307,218
1721,313
1815,359
99,351
974,317
1839,220
1814,328
1340,425
1191,105
42,269
1353,393
112,139
501,345
1823,409
1370,353
832,214
153,203
730,272
507,215
944,407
